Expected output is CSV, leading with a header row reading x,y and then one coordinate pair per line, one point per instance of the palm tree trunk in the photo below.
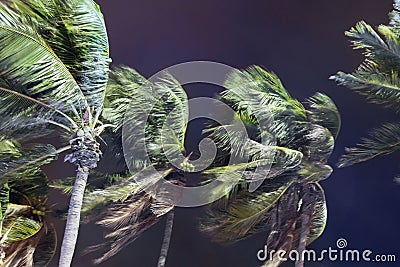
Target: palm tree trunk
x,y
73,219
167,239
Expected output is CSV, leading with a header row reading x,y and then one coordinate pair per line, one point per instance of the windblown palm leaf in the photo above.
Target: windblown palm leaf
x,y
128,218
289,206
75,31
377,78
381,141
155,116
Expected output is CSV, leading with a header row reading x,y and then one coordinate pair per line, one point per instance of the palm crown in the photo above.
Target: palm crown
x,y
289,205
124,207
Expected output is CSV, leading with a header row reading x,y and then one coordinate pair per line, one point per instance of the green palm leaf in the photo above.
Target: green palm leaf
x,y
31,67
97,200
20,168
37,153
76,32
377,87
246,214
376,49
122,85
17,229
381,141
22,113
322,111
377,79
163,104
4,200
22,221
260,95
269,166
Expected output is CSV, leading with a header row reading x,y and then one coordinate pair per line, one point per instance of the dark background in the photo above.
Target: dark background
x,y
301,41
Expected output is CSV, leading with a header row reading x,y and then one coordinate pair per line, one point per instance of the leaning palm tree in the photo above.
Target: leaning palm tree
x,y
26,239
287,148
54,59
129,200
377,78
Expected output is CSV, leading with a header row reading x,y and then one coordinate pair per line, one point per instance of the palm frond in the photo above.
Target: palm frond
x,y
17,229
155,116
76,32
31,67
377,87
377,77
319,215
21,113
127,220
124,82
246,214
375,48
4,200
318,145
322,111
278,161
260,94
380,141
19,253
16,210
65,185
310,172
9,148
96,201
395,14
41,154
21,168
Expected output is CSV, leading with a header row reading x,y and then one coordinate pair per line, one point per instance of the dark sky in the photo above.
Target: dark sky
x,y
301,41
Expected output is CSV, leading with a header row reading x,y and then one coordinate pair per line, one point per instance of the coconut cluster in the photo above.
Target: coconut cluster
x,y
85,149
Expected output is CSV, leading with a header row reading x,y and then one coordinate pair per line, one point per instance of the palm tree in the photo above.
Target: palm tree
x,y
289,147
377,79
54,60
121,204
26,239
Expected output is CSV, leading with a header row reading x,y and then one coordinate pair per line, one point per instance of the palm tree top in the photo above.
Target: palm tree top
x,y
289,204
